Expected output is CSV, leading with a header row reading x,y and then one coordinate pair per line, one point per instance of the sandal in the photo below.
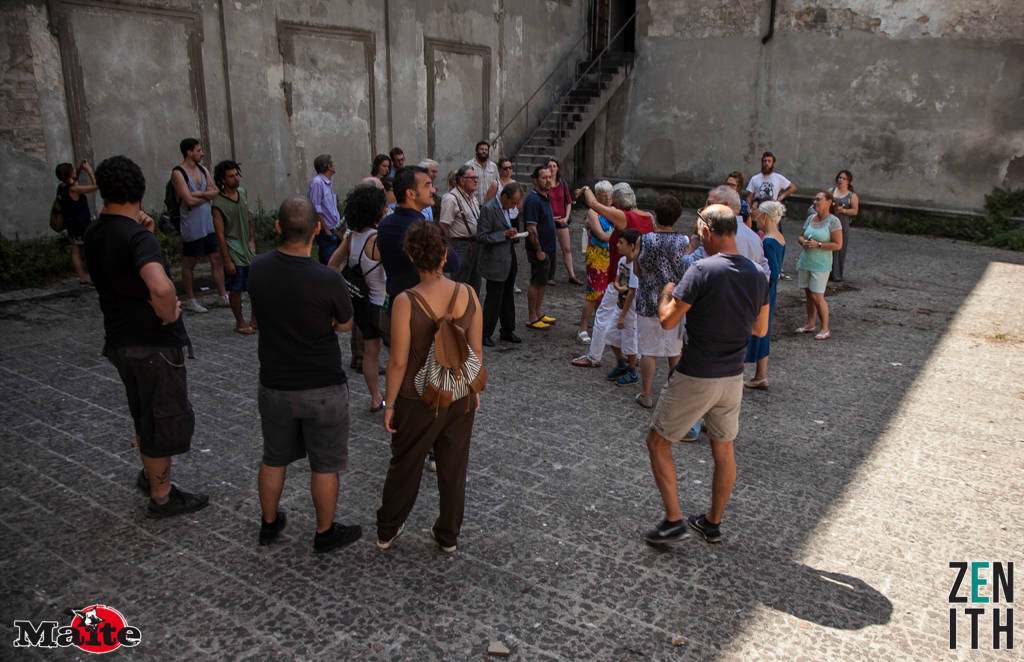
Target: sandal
x,y
804,329
575,281
245,330
585,362
583,337
761,384
824,335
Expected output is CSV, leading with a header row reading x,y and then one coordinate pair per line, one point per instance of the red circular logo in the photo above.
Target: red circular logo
x,y
98,629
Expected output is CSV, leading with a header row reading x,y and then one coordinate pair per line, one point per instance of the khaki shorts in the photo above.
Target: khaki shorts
x,y
685,400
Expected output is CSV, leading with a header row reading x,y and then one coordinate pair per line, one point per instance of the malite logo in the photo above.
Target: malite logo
x,y
978,577
95,629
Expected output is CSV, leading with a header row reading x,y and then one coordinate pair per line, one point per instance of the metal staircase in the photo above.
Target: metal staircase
x,y
597,80
573,113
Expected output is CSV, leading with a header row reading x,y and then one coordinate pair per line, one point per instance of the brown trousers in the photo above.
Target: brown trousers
x,y
419,432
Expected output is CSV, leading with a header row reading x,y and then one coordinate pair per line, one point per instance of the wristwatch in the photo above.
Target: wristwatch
x,y
819,244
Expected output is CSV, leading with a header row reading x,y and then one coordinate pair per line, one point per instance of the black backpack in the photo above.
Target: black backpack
x,y
355,278
170,220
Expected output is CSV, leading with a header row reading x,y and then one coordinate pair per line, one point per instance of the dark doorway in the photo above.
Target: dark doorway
x,y
607,18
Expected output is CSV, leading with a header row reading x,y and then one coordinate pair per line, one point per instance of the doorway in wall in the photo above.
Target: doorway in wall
x,y
606,19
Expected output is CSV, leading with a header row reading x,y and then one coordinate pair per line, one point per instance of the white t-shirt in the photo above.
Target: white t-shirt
x,y
749,245
767,188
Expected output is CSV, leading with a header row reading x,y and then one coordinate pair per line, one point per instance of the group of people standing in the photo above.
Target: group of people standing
x,y
700,301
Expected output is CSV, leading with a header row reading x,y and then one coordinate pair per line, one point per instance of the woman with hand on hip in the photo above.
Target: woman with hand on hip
x,y
821,235
847,205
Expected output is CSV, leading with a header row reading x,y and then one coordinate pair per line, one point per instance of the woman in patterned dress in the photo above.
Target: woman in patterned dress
x,y
599,230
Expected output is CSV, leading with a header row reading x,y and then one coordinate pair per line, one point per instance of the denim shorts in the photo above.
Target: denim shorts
x,y
239,282
157,389
311,422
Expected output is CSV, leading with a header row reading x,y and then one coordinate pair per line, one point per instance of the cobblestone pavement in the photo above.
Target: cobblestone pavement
x,y
875,459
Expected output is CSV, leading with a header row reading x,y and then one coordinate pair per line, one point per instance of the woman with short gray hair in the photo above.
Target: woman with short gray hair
x,y
599,231
622,214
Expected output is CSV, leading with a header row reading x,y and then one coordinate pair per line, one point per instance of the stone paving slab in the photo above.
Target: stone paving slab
x,y
874,460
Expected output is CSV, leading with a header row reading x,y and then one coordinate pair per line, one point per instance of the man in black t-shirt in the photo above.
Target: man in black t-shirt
x,y
303,391
725,299
144,334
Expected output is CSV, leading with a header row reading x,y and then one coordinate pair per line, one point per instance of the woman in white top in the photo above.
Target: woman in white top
x,y
364,207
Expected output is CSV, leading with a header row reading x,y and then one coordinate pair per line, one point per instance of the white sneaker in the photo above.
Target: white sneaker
x,y
195,306
516,290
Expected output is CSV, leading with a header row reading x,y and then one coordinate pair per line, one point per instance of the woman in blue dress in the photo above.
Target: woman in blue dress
x,y
767,217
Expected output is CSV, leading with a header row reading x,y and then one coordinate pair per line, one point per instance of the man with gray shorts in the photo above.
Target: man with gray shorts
x,y
303,391
725,299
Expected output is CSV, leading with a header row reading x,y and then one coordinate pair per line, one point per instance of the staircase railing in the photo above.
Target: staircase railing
x,y
526,106
596,61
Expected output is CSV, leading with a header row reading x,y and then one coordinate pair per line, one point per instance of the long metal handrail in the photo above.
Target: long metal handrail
x,y
595,61
543,85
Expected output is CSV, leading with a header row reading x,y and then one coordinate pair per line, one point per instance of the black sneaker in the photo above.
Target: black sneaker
x,y
142,482
701,525
667,532
336,537
268,532
178,503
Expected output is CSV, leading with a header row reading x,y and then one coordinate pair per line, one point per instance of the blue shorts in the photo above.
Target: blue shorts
x,y
200,247
239,282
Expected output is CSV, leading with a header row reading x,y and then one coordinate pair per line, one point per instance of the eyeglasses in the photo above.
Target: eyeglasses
x,y
471,177
508,167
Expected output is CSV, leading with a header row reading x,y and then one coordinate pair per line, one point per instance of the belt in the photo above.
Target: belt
x,y
463,238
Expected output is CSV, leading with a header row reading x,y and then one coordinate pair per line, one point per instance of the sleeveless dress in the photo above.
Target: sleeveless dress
x,y
758,348
76,213
597,262
839,256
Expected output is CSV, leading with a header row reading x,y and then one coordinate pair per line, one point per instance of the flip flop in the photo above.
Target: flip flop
x,y
245,330
804,329
761,384
823,336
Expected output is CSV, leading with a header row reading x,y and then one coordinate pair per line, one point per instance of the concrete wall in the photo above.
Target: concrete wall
x,y
271,84
921,100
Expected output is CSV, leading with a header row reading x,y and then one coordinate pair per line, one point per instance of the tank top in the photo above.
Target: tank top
x,y
376,279
422,331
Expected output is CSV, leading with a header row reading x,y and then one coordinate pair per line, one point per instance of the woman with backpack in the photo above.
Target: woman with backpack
x,y
75,207
416,424
358,259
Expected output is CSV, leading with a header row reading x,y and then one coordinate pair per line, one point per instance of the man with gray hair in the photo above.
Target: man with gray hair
x,y
498,266
725,299
747,242
432,168
460,211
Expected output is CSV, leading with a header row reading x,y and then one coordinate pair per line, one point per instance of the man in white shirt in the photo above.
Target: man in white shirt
x,y
486,172
748,244
768,184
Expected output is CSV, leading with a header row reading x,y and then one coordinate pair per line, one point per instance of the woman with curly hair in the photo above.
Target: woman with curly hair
x,y
364,207
416,427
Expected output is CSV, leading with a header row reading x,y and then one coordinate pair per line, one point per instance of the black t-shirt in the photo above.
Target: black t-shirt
x,y
294,300
116,249
726,293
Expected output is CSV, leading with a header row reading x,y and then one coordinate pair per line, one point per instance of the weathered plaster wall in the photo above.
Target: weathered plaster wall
x,y
919,99
271,83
